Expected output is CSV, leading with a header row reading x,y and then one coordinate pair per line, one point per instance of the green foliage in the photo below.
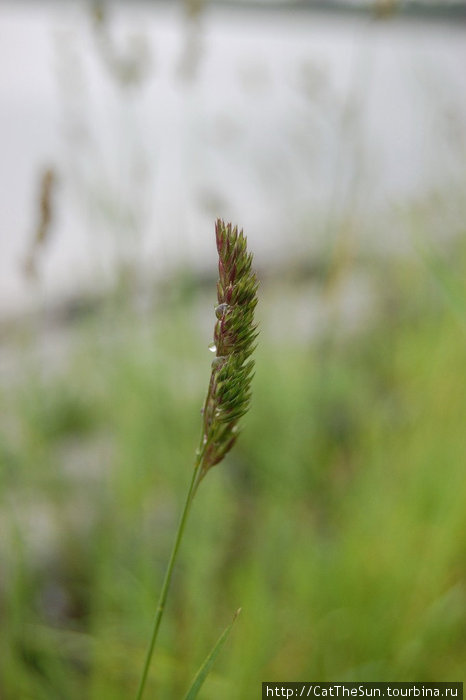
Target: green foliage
x,y
206,667
337,523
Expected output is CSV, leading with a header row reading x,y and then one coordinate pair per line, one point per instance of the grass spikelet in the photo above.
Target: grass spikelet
x,y
235,332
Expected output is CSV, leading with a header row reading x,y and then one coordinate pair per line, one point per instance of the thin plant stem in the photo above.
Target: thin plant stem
x,y
168,573
229,393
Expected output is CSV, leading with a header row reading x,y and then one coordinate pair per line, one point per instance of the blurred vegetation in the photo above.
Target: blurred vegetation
x,y
338,523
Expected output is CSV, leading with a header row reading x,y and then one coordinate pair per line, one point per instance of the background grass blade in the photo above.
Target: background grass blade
x,y
203,672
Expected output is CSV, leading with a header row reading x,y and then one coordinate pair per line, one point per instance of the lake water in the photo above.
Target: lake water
x,y
284,123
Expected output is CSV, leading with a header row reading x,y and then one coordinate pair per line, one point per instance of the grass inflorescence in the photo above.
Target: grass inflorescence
x,y
235,332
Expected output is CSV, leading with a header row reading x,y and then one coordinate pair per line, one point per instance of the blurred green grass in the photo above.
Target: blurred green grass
x,y
338,523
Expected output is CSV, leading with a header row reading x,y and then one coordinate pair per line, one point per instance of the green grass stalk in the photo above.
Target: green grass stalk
x,y
168,575
228,395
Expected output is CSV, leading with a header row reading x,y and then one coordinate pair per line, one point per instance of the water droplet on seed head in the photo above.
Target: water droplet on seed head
x,y
221,310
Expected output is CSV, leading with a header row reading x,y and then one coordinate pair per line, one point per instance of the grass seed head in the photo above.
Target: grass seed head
x,y
235,333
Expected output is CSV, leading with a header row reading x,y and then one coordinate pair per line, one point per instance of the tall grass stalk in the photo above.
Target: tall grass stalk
x,y
228,395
